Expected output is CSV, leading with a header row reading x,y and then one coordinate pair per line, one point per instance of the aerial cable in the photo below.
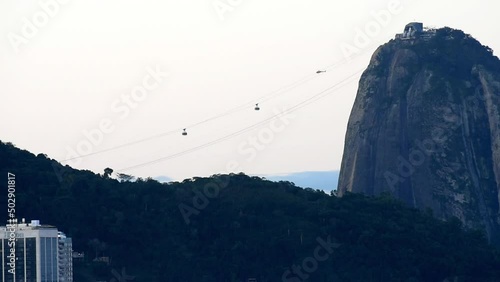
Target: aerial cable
x,y
298,106
234,110
262,99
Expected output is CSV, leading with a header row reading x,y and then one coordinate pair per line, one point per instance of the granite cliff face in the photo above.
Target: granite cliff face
x,y
425,126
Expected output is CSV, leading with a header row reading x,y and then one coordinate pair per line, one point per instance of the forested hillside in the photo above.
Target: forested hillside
x,y
235,227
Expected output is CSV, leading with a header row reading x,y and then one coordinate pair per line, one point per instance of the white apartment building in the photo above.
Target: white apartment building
x,y
42,254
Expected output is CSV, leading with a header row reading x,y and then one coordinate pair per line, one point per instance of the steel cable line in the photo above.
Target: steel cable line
x,y
234,110
298,106
261,99
269,96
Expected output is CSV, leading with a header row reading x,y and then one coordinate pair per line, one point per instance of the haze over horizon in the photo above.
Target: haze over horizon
x,y
90,76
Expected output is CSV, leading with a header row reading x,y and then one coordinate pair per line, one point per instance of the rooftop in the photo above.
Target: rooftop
x,y
34,224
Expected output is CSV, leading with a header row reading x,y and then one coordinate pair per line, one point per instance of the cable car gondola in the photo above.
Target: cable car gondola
x,y
257,107
184,133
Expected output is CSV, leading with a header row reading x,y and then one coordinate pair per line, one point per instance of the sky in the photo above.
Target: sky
x,y
96,84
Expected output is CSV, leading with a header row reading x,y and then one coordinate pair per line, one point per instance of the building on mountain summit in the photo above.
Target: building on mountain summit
x,y
416,30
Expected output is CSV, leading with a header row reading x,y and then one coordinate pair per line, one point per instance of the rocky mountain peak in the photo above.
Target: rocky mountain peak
x,y
425,127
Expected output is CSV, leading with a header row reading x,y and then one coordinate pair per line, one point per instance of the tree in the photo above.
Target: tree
x,y
97,246
107,172
125,177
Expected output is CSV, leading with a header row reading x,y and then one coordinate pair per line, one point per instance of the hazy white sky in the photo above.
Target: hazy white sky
x,y
70,67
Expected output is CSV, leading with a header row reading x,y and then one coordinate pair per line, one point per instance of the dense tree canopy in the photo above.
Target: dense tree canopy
x,y
235,227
